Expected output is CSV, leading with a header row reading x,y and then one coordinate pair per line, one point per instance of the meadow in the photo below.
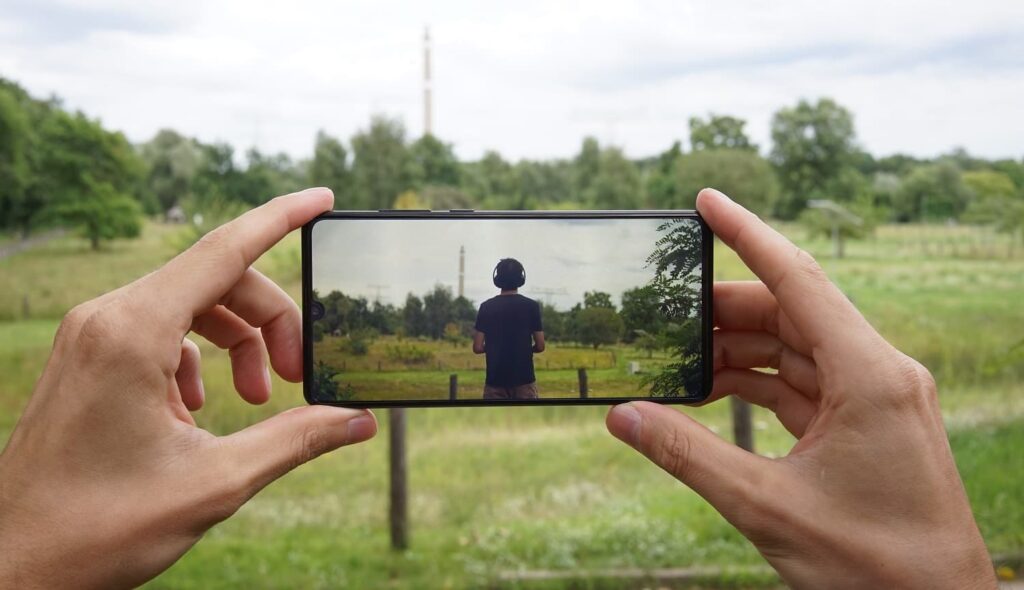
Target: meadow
x,y
496,491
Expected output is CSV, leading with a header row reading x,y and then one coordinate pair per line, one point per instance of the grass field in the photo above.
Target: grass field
x,y
506,489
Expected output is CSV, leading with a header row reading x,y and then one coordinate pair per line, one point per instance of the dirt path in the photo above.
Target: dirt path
x,y
26,244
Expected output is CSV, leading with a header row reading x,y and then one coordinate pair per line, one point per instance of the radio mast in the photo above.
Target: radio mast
x,y
428,115
462,269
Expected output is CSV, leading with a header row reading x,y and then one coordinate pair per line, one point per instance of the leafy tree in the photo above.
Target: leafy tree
x,y
548,183
812,144
617,184
445,197
719,132
330,168
267,176
554,322
383,166
434,162
173,161
661,185
413,318
597,299
742,174
438,308
992,193
586,167
325,387
15,171
933,193
676,262
641,312
492,181
598,325
101,214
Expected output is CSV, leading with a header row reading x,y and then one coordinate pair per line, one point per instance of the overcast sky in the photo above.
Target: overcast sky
x,y
528,78
563,258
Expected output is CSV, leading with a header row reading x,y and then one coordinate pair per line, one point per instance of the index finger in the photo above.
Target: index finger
x,y
195,280
818,309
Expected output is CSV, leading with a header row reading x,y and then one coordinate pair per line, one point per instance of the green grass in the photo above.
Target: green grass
x,y
496,489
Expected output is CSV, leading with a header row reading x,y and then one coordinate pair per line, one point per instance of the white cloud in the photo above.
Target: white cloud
x,y
529,78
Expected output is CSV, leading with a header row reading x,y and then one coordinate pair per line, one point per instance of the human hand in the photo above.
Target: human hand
x,y
106,480
869,496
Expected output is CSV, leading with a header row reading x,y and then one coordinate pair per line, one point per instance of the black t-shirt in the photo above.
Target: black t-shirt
x,y
508,323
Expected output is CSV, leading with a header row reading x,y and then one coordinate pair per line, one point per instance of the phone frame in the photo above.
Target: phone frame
x,y
707,317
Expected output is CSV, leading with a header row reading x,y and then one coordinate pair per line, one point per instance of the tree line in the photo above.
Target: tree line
x,y
438,315
64,168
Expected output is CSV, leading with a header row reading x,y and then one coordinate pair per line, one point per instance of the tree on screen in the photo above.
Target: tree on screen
x,y
676,261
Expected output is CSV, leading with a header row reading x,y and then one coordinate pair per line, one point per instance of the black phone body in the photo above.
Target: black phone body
x,y
377,285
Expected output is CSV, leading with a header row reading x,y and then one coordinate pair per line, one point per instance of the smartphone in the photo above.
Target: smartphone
x,y
469,308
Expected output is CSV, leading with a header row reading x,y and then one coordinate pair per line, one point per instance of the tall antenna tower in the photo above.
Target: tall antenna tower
x,y
428,114
462,269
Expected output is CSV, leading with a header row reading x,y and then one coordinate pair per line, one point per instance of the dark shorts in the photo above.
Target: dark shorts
x,y
527,391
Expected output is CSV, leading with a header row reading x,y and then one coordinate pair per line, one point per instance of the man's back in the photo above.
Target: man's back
x,y
508,323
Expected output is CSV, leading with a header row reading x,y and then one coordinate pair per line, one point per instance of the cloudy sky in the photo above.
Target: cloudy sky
x,y
529,78
563,258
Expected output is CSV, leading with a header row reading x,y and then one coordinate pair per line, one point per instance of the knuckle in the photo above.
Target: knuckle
x,y
311,443
73,320
916,383
672,451
809,267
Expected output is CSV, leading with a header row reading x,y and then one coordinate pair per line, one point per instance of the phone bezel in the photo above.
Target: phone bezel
x,y
707,317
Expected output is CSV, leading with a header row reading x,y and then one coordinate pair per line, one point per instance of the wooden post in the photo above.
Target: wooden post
x,y
453,386
398,507
742,433
378,366
582,374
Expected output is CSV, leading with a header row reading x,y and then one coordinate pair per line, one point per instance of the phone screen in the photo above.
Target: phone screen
x,y
431,309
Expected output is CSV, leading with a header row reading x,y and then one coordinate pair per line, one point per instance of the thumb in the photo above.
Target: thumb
x,y
271,448
725,475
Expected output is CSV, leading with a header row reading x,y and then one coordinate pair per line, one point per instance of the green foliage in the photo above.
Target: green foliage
x,y
812,144
173,162
742,174
617,184
434,162
598,325
597,299
325,386
676,262
359,340
935,192
330,168
719,132
641,312
102,214
409,353
662,189
383,167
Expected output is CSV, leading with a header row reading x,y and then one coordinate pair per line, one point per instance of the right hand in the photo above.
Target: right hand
x,y
869,496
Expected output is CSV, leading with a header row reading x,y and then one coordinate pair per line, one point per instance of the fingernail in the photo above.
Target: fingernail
x,y
624,423
361,428
266,378
716,193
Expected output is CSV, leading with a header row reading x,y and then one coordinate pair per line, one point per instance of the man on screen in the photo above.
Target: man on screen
x,y
509,331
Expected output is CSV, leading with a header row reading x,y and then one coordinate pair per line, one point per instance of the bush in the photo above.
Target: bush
x,y
408,353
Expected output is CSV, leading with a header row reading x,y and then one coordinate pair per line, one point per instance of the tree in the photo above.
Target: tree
x,y
330,168
266,176
742,174
597,299
617,184
585,168
676,262
438,310
15,172
719,132
935,192
383,167
811,144
992,192
413,318
172,161
101,214
661,185
641,312
434,162
554,322
598,325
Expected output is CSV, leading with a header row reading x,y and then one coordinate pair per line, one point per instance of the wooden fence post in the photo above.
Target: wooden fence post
x,y
398,507
742,433
582,375
453,386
